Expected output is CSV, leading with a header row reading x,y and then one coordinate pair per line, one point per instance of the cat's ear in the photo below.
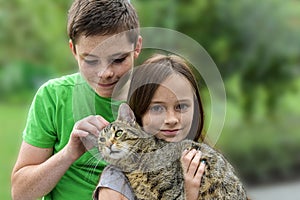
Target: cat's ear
x,y
125,114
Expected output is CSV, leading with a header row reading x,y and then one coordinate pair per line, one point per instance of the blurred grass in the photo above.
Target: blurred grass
x,y
12,122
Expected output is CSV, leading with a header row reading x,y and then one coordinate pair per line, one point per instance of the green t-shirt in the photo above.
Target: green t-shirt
x,y
57,105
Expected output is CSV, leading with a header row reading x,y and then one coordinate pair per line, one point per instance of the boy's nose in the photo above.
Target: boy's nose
x,y
106,73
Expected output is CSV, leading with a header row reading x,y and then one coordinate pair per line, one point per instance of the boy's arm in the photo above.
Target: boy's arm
x,y
37,170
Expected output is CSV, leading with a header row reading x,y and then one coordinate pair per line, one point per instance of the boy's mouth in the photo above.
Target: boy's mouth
x,y
107,85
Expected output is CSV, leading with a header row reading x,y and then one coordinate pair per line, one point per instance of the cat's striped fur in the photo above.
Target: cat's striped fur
x,y
153,166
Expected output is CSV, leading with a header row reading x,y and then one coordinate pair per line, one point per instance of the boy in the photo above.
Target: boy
x,y
53,162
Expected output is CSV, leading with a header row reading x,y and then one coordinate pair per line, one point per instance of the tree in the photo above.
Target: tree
x,y
256,40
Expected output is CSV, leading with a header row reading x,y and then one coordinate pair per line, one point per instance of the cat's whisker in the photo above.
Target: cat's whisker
x,y
92,163
90,166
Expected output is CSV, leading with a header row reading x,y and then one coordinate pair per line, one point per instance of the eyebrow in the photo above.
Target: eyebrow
x,y
83,55
179,101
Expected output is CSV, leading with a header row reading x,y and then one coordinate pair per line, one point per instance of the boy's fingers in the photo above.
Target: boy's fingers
x,y
102,120
91,124
77,133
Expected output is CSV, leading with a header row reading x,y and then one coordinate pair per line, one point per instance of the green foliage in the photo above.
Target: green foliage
x,y
35,32
19,79
258,40
265,149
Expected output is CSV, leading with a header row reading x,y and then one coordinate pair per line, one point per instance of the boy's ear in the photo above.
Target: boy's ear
x,y
138,47
72,47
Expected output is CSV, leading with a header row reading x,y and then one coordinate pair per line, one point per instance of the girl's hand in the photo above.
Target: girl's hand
x,y
193,170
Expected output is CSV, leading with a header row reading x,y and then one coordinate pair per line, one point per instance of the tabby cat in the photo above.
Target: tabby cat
x,y
153,166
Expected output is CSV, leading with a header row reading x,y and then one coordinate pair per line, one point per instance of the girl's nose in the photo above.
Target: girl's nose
x,y
171,118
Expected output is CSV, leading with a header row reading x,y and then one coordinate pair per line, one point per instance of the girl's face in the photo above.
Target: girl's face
x,y
170,113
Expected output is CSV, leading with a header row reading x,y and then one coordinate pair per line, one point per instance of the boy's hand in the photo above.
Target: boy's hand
x,y
79,142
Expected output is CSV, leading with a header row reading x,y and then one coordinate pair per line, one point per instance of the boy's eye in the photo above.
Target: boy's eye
x,y
91,62
119,60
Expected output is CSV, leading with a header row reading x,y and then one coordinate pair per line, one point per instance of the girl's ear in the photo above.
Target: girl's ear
x,y
72,47
125,114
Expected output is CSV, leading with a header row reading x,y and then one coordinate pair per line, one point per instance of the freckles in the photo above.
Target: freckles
x,y
149,123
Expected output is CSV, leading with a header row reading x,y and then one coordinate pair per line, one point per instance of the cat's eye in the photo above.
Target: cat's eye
x,y
102,139
118,133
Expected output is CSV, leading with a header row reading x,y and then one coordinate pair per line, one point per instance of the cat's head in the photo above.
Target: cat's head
x,y
118,141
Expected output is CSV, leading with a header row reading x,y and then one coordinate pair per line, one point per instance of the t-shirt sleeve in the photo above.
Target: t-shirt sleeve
x,y
114,179
40,129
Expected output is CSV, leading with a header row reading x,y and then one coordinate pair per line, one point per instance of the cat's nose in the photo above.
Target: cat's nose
x,y
108,144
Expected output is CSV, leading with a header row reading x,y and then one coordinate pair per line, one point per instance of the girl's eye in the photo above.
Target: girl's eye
x,y
118,133
157,108
182,107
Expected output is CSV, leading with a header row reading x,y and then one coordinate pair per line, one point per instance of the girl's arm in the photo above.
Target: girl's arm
x,y
113,185
107,193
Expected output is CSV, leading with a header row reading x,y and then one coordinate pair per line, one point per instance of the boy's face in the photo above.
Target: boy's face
x,y
103,60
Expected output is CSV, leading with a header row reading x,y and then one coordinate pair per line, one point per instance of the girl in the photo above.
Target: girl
x,y
165,98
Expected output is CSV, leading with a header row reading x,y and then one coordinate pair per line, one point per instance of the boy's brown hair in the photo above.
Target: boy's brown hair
x,y
102,17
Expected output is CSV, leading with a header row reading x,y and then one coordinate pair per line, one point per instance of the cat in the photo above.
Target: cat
x,y
153,166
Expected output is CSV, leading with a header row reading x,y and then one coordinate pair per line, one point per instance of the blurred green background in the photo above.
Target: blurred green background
x,y
254,43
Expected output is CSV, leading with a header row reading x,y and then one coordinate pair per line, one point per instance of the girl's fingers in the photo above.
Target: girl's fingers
x,y
186,160
200,171
192,164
